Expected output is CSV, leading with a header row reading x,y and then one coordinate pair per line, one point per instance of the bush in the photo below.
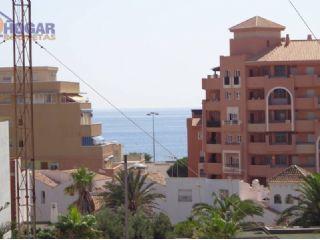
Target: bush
x,y
141,226
162,227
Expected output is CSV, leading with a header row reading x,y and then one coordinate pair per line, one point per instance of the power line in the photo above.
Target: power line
x,y
120,111
303,20
105,99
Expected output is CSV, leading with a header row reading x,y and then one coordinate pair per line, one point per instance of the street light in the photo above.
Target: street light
x,y
153,138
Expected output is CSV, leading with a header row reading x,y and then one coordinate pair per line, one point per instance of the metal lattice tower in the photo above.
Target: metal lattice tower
x,y
23,118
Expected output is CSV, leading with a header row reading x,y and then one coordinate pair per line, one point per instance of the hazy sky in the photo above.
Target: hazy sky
x,y
150,53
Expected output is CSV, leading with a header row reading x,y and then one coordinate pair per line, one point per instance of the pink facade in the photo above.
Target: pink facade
x,y
262,109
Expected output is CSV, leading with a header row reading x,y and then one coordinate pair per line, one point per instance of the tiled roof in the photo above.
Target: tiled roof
x,y
296,50
45,179
292,174
257,22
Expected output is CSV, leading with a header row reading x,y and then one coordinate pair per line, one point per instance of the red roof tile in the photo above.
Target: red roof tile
x,y
256,22
292,174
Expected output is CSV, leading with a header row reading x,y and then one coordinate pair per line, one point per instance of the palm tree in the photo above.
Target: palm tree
x,y
224,216
75,225
230,207
141,194
307,211
82,184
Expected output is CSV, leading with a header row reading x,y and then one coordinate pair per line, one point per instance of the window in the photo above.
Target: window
x,y
229,139
236,79
6,79
5,98
310,70
43,197
277,199
199,135
53,166
280,138
43,165
223,193
289,199
237,93
48,98
226,78
228,95
87,141
185,195
280,71
238,139
281,160
268,43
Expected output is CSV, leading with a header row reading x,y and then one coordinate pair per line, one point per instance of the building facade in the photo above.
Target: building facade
x,y
181,194
65,136
261,112
51,199
5,196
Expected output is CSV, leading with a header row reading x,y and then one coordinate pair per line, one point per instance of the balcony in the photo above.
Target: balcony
x,y
306,103
257,148
280,148
211,82
285,126
256,82
213,168
211,104
259,104
213,148
256,127
231,122
213,124
306,80
305,148
231,168
305,125
91,130
264,170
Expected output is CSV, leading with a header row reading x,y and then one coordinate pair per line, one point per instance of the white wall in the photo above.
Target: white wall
x,y
283,189
202,190
5,196
53,195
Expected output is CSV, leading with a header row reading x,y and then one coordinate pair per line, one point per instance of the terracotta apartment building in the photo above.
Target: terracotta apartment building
x,y
65,136
262,110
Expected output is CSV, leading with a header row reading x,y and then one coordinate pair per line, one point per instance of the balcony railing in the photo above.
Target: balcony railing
x,y
279,101
213,141
213,123
231,122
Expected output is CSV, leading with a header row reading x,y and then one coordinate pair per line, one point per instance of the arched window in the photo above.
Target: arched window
x,y
277,199
289,199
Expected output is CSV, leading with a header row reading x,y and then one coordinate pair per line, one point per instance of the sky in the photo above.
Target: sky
x,y
149,53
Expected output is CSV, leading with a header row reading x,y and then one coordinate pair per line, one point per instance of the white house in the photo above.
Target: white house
x,y
183,193
283,187
5,196
51,201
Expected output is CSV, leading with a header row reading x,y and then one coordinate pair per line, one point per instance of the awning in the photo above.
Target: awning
x,y
77,98
98,140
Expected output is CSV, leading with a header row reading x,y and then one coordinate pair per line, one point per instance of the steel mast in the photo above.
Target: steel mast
x,y
23,118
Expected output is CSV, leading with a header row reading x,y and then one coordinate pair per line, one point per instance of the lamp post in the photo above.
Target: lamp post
x,y
153,137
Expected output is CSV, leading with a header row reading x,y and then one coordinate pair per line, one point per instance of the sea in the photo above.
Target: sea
x,y
170,130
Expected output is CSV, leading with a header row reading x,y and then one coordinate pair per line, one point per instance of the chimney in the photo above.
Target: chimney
x,y
287,40
309,38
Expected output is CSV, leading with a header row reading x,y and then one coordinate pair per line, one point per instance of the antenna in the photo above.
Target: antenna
x,y
23,119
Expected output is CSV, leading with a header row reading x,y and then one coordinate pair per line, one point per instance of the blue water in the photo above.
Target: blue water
x,y
170,130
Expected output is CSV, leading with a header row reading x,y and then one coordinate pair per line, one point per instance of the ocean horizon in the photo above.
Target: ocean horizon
x,y
170,130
